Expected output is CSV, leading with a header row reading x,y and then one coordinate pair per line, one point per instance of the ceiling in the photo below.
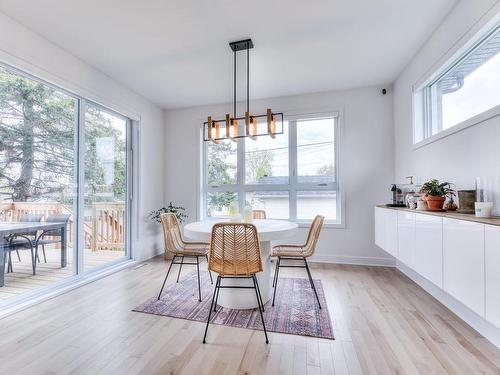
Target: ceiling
x,y
175,52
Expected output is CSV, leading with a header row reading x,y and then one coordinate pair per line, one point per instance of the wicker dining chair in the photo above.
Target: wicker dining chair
x,y
235,254
259,214
298,252
181,248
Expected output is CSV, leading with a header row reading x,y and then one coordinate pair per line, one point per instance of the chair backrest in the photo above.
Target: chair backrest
x,y
234,250
259,214
31,218
313,235
172,234
59,218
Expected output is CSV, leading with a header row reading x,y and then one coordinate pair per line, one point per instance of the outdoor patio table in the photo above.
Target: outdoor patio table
x,y
7,229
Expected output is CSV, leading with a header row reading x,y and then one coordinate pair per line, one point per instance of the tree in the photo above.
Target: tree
x,y
258,164
38,145
218,168
325,170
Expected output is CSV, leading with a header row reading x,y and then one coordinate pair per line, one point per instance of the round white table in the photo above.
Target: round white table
x,y
268,230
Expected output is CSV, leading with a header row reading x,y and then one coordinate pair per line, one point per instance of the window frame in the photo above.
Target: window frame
x,y
425,117
241,187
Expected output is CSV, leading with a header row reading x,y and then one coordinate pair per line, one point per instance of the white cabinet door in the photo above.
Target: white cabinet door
x,y
391,232
492,262
406,238
429,247
379,227
463,262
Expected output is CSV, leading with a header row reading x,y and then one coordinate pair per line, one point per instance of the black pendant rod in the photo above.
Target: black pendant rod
x,y
248,79
234,96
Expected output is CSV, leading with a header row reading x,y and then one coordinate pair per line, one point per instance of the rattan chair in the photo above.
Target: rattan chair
x,y
259,214
298,252
180,248
235,254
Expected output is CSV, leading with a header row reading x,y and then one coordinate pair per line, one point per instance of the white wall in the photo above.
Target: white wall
x,y
462,156
31,53
366,165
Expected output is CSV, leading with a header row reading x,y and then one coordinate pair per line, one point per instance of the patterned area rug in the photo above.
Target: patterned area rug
x,y
295,310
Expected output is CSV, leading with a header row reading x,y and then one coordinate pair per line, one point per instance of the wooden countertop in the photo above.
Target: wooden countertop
x,y
449,214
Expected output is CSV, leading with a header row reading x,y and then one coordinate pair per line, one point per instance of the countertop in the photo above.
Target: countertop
x,y
449,214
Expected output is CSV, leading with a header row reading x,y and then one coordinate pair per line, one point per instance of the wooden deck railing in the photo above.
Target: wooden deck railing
x,y
104,229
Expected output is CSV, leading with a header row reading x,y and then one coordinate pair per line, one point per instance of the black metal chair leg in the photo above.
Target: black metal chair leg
x,y
44,256
275,272
217,283
256,287
166,276
199,284
18,256
9,263
216,299
277,276
180,268
260,296
210,273
312,282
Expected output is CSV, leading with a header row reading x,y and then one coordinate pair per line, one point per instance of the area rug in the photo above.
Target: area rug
x,y
295,310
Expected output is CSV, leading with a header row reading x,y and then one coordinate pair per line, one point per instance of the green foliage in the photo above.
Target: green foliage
x,y
438,189
177,210
38,146
258,164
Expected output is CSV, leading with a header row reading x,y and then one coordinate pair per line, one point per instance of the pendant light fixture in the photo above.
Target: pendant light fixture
x,y
268,122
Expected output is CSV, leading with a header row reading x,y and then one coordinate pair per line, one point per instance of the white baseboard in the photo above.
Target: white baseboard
x,y
488,330
361,261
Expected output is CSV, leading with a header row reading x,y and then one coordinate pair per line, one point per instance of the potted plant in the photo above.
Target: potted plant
x,y
436,193
177,210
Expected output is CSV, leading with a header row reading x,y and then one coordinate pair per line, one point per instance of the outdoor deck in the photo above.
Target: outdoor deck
x,y
22,279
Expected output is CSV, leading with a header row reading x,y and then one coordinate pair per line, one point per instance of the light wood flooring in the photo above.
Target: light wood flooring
x,y
384,324
22,279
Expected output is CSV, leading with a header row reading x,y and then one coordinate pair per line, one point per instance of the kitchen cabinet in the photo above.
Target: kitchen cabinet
x,y
379,227
492,264
463,262
391,232
406,238
429,247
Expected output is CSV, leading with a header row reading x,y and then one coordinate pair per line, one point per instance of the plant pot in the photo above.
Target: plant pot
x,y
435,203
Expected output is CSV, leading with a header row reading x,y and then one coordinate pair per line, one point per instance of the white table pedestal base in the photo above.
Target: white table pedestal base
x,y
246,298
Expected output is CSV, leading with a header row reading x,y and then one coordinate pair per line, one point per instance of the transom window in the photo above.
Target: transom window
x,y
462,91
292,176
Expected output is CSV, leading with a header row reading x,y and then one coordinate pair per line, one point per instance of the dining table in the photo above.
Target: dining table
x,y
10,228
267,230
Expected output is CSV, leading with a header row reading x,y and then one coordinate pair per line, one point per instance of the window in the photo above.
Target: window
x,y
293,176
466,88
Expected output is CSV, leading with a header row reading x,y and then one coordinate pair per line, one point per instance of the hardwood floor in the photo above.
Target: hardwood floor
x,y
22,279
384,324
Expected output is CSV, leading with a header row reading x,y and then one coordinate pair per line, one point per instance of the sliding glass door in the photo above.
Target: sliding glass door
x,y
65,162
105,186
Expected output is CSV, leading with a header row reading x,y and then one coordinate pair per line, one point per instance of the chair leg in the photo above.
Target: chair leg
x,y
260,295
277,276
180,268
216,299
18,256
217,284
209,272
44,256
312,282
166,276
256,287
9,263
275,272
199,284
